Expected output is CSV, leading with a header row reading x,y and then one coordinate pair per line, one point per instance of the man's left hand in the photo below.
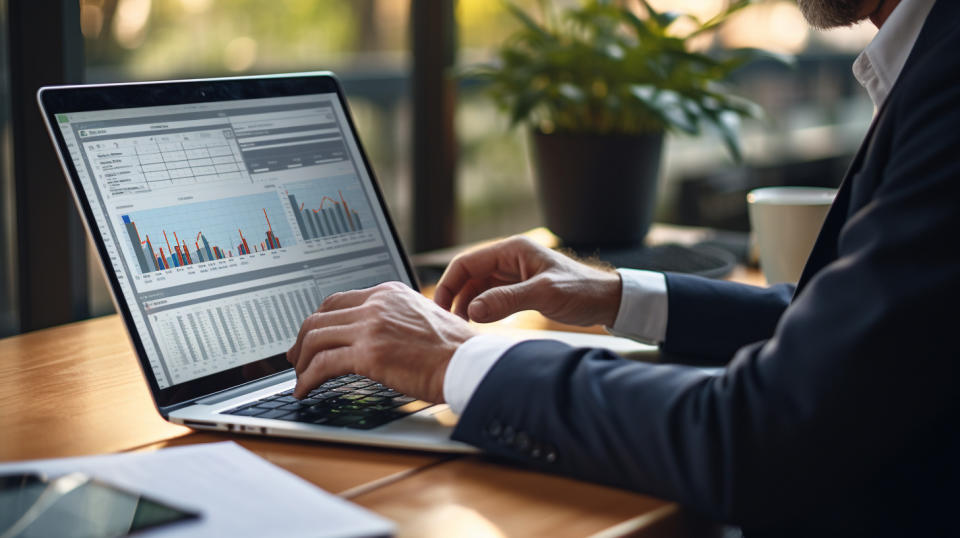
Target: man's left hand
x,y
388,333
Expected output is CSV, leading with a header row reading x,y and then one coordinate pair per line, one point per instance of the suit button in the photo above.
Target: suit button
x,y
494,428
508,435
522,442
536,451
550,454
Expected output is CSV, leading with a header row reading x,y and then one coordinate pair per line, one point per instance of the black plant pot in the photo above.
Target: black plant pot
x,y
598,190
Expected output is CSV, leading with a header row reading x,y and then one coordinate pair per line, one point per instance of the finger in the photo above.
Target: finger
x,y
323,366
318,320
467,293
476,264
349,298
499,302
322,339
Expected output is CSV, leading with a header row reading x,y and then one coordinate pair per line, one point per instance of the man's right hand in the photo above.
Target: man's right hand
x,y
494,281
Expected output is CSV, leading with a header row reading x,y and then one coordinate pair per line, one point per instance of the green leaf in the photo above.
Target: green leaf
x,y
670,104
638,24
663,20
643,92
728,124
599,67
740,105
524,104
527,21
614,51
571,92
748,54
720,18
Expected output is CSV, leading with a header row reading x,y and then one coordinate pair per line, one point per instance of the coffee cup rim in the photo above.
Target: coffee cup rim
x,y
792,196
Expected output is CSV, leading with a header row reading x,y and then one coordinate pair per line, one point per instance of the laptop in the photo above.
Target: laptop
x,y
223,212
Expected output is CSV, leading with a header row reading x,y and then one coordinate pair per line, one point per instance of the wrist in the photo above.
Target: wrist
x,y
609,291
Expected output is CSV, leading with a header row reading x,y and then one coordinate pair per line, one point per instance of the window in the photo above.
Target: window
x,y
8,254
364,41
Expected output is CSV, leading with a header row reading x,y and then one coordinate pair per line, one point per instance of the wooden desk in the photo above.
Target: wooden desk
x,y
77,389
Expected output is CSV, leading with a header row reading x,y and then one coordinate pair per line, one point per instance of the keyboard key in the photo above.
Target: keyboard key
x,y
246,411
367,423
344,420
307,415
351,401
360,384
381,406
276,413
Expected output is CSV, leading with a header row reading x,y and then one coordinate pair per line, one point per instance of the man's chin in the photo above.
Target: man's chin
x,y
824,14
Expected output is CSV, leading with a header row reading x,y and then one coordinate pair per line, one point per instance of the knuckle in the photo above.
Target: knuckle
x,y
546,282
313,320
374,308
519,240
309,341
330,300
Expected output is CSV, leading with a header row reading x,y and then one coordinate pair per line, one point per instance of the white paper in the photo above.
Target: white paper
x,y
238,493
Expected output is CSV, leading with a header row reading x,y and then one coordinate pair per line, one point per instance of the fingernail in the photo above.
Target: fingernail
x,y
478,309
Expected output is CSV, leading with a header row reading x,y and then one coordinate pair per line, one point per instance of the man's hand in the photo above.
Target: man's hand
x,y
388,333
517,274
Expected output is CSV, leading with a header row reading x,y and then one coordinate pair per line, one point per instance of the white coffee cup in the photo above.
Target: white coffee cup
x,y
785,222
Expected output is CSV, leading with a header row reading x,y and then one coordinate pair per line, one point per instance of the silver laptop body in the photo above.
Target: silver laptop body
x,y
223,212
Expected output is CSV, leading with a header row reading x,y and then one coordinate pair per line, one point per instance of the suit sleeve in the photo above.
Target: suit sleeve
x,y
712,319
858,368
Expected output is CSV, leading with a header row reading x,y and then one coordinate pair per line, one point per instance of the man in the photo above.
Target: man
x,y
836,412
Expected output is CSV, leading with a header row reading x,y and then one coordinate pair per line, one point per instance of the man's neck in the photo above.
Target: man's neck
x,y
883,11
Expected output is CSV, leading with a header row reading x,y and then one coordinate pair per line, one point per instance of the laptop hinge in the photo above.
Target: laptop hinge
x,y
247,388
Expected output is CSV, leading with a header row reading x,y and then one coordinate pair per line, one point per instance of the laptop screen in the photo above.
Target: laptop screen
x,y
227,222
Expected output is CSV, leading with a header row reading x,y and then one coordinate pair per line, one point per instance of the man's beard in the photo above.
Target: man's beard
x,y
831,13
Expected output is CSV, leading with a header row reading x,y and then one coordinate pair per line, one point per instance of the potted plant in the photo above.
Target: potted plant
x,y
598,85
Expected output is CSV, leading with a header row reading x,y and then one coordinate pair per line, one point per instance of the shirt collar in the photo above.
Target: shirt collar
x,y
879,65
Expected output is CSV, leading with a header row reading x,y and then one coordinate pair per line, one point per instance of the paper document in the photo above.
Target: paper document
x,y
237,492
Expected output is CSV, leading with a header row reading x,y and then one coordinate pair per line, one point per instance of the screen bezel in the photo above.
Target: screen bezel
x,y
55,100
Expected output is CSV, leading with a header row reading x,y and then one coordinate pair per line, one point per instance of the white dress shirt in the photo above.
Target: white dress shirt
x,y
643,301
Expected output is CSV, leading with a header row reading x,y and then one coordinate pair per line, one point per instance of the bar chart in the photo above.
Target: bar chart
x,y
328,208
179,236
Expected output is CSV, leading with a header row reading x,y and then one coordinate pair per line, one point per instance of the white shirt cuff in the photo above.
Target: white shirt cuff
x,y
643,306
468,366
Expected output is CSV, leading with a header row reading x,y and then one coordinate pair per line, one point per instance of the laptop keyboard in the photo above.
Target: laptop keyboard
x,y
349,401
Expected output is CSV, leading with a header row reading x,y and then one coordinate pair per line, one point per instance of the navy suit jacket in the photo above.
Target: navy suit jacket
x,y
838,412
